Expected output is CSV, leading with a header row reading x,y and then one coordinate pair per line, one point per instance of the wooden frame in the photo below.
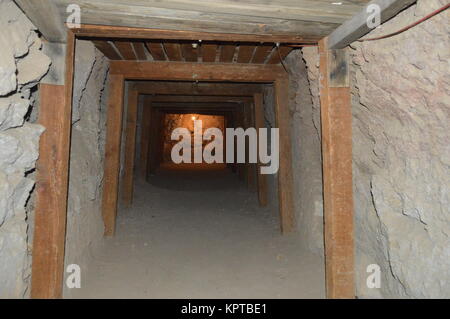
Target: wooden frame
x,y
336,119
181,71
52,181
47,268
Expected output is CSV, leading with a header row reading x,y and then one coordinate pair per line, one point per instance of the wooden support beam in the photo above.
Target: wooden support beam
x,y
201,88
227,53
130,148
357,26
107,49
145,134
139,49
282,53
126,50
52,180
245,53
209,52
137,70
285,179
112,153
336,121
156,50
259,124
51,195
103,31
261,53
190,53
199,99
173,51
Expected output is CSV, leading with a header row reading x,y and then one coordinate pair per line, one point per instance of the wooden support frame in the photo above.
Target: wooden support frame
x,y
145,134
130,147
259,123
336,121
112,153
181,71
52,181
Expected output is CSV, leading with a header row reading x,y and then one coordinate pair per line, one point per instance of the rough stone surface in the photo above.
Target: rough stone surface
x,y
22,65
401,112
401,155
306,155
84,222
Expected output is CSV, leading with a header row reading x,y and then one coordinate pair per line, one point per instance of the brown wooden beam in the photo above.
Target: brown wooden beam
x,y
145,134
156,50
107,49
285,179
259,123
130,148
136,70
112,153
102,31
126,50
139,48
336,121
52,180
194,89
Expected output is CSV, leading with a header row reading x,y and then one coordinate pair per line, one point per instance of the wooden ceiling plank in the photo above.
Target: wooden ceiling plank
x,y
275,56
190,53
227,53
126,50
261,53
173,51
209,52
107,49
156,50
245,53
139,48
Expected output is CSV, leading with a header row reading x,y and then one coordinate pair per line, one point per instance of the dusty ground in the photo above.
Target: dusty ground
x,y
200,234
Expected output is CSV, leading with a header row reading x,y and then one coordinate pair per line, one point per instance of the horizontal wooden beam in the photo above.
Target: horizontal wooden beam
x,y
357,26
135,70
102,31
195,89
199,99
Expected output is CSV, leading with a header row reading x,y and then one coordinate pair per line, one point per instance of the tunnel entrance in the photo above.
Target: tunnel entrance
x,y
245,87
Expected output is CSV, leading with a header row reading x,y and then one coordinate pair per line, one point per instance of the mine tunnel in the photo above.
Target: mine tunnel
x,y
230,149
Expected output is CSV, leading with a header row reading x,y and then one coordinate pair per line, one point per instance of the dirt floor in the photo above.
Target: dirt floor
x,y
200,234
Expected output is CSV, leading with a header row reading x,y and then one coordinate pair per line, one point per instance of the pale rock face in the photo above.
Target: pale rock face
x,y
401,113
22,65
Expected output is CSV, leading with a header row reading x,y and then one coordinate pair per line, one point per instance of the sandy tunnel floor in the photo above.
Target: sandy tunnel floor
x,y
200,234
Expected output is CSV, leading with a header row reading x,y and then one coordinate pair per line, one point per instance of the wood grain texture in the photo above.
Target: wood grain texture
x,y
227,53
190,53
285,174
112,153
130,148
136,70
107,49
209,52
279,54
245,53
201,88
336,119
145,134
156,50
259,123
262,52
139,49
126,50
173,51
51,195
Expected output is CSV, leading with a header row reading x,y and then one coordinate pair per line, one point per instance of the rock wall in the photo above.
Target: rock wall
x,y
84,220
306,154
401,155
22,65
401,113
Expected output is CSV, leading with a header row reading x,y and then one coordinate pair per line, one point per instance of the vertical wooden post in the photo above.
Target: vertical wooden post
x,y
112,153
130,147
336,120
285,179
259,123
52,179
145,134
